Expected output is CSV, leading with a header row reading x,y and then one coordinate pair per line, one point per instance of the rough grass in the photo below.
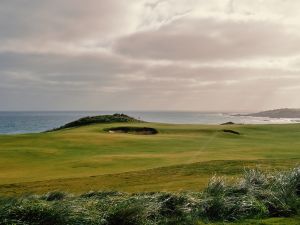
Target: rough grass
x,y
257,195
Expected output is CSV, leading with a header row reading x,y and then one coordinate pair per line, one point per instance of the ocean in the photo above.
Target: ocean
x,y
32,122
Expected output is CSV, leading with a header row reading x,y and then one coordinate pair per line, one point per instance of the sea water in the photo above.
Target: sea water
x,y
30,122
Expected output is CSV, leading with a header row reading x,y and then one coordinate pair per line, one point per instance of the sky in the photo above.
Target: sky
x,y
187,55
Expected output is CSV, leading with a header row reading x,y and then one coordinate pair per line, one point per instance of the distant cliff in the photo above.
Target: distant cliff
x,y
278,113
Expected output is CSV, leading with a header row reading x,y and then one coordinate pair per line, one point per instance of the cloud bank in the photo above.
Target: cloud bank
x,y
149,55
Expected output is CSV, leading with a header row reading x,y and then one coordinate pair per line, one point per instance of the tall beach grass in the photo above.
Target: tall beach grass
x,y
255,195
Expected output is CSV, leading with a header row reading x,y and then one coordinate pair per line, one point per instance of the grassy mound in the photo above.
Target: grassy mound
x,y
115,118
256,195
132,130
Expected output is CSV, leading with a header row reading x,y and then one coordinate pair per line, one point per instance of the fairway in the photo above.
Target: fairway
x,y
178,158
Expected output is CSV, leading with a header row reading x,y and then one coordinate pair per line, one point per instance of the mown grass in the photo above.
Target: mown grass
x,y
179,157
186,177
256,198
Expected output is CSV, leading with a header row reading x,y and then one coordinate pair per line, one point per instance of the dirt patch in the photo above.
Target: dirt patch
x,y
133,130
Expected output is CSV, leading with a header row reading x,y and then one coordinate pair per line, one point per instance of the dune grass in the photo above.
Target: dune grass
x,y
179,157
257,195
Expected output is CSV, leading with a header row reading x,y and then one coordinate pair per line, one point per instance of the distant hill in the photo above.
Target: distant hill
x,y
278,113
115,118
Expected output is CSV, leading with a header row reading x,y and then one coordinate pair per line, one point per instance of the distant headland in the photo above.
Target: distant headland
x,y
276,113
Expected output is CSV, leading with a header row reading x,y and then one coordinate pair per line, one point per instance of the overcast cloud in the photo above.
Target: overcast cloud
x,y
217,55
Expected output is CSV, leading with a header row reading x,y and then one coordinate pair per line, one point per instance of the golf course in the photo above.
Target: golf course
x,y
176,158
115,169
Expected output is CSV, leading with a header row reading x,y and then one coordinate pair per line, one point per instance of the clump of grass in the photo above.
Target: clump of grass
x,y
54,196
100,194
225,202
128,212
255,195
31,211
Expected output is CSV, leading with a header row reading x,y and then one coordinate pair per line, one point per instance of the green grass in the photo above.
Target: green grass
x,y
179,157
188,177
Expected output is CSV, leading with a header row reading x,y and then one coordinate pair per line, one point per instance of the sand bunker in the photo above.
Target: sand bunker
x,y
232,132
133,130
